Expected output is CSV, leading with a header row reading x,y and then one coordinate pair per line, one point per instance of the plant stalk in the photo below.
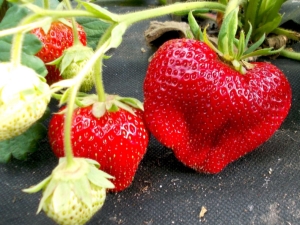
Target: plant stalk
x,y
99,81
134,17
290,54
74,26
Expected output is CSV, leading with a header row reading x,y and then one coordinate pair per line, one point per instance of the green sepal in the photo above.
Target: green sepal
x,y
61,195
81,188
248,36
135,103
227,33
264,51
98,109
113,108
100,178
75,54
116,35
121,105
255,45
241,45
210,44
48,190
38,186
196,30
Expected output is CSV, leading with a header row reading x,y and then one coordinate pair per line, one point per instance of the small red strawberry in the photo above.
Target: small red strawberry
x,y
116,138
58,38
207,112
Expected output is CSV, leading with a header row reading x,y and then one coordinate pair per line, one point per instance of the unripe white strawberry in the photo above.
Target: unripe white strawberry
x,y
72,194
24,96
74,68
72,62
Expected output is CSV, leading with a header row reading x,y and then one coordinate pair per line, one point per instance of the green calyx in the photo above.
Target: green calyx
x,y
77,178
72,61
237,51
112,103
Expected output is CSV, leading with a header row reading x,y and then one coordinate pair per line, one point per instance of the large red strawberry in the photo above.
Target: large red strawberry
x,y
209,108
58,38
117,139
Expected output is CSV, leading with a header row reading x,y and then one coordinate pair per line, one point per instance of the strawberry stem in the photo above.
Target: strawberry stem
x,y
134,17
74,26
99,81
16,48
293,35
290,54
46,4
17,42
67,128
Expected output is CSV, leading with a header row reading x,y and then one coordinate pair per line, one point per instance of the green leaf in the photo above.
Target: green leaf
x,y
273,11
1,2
21,146
266,28
13,16
31,44
251,13
94,29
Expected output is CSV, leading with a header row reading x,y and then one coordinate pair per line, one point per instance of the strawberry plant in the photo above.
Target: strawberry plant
x,y
218,99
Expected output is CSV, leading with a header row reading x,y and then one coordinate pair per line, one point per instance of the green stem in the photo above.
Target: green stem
x,y
134,17
74,25
231,5
17,42
99,81
16,48
71,102
24,28
105,38
61,13
288,33
290,54
67,128
46,4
